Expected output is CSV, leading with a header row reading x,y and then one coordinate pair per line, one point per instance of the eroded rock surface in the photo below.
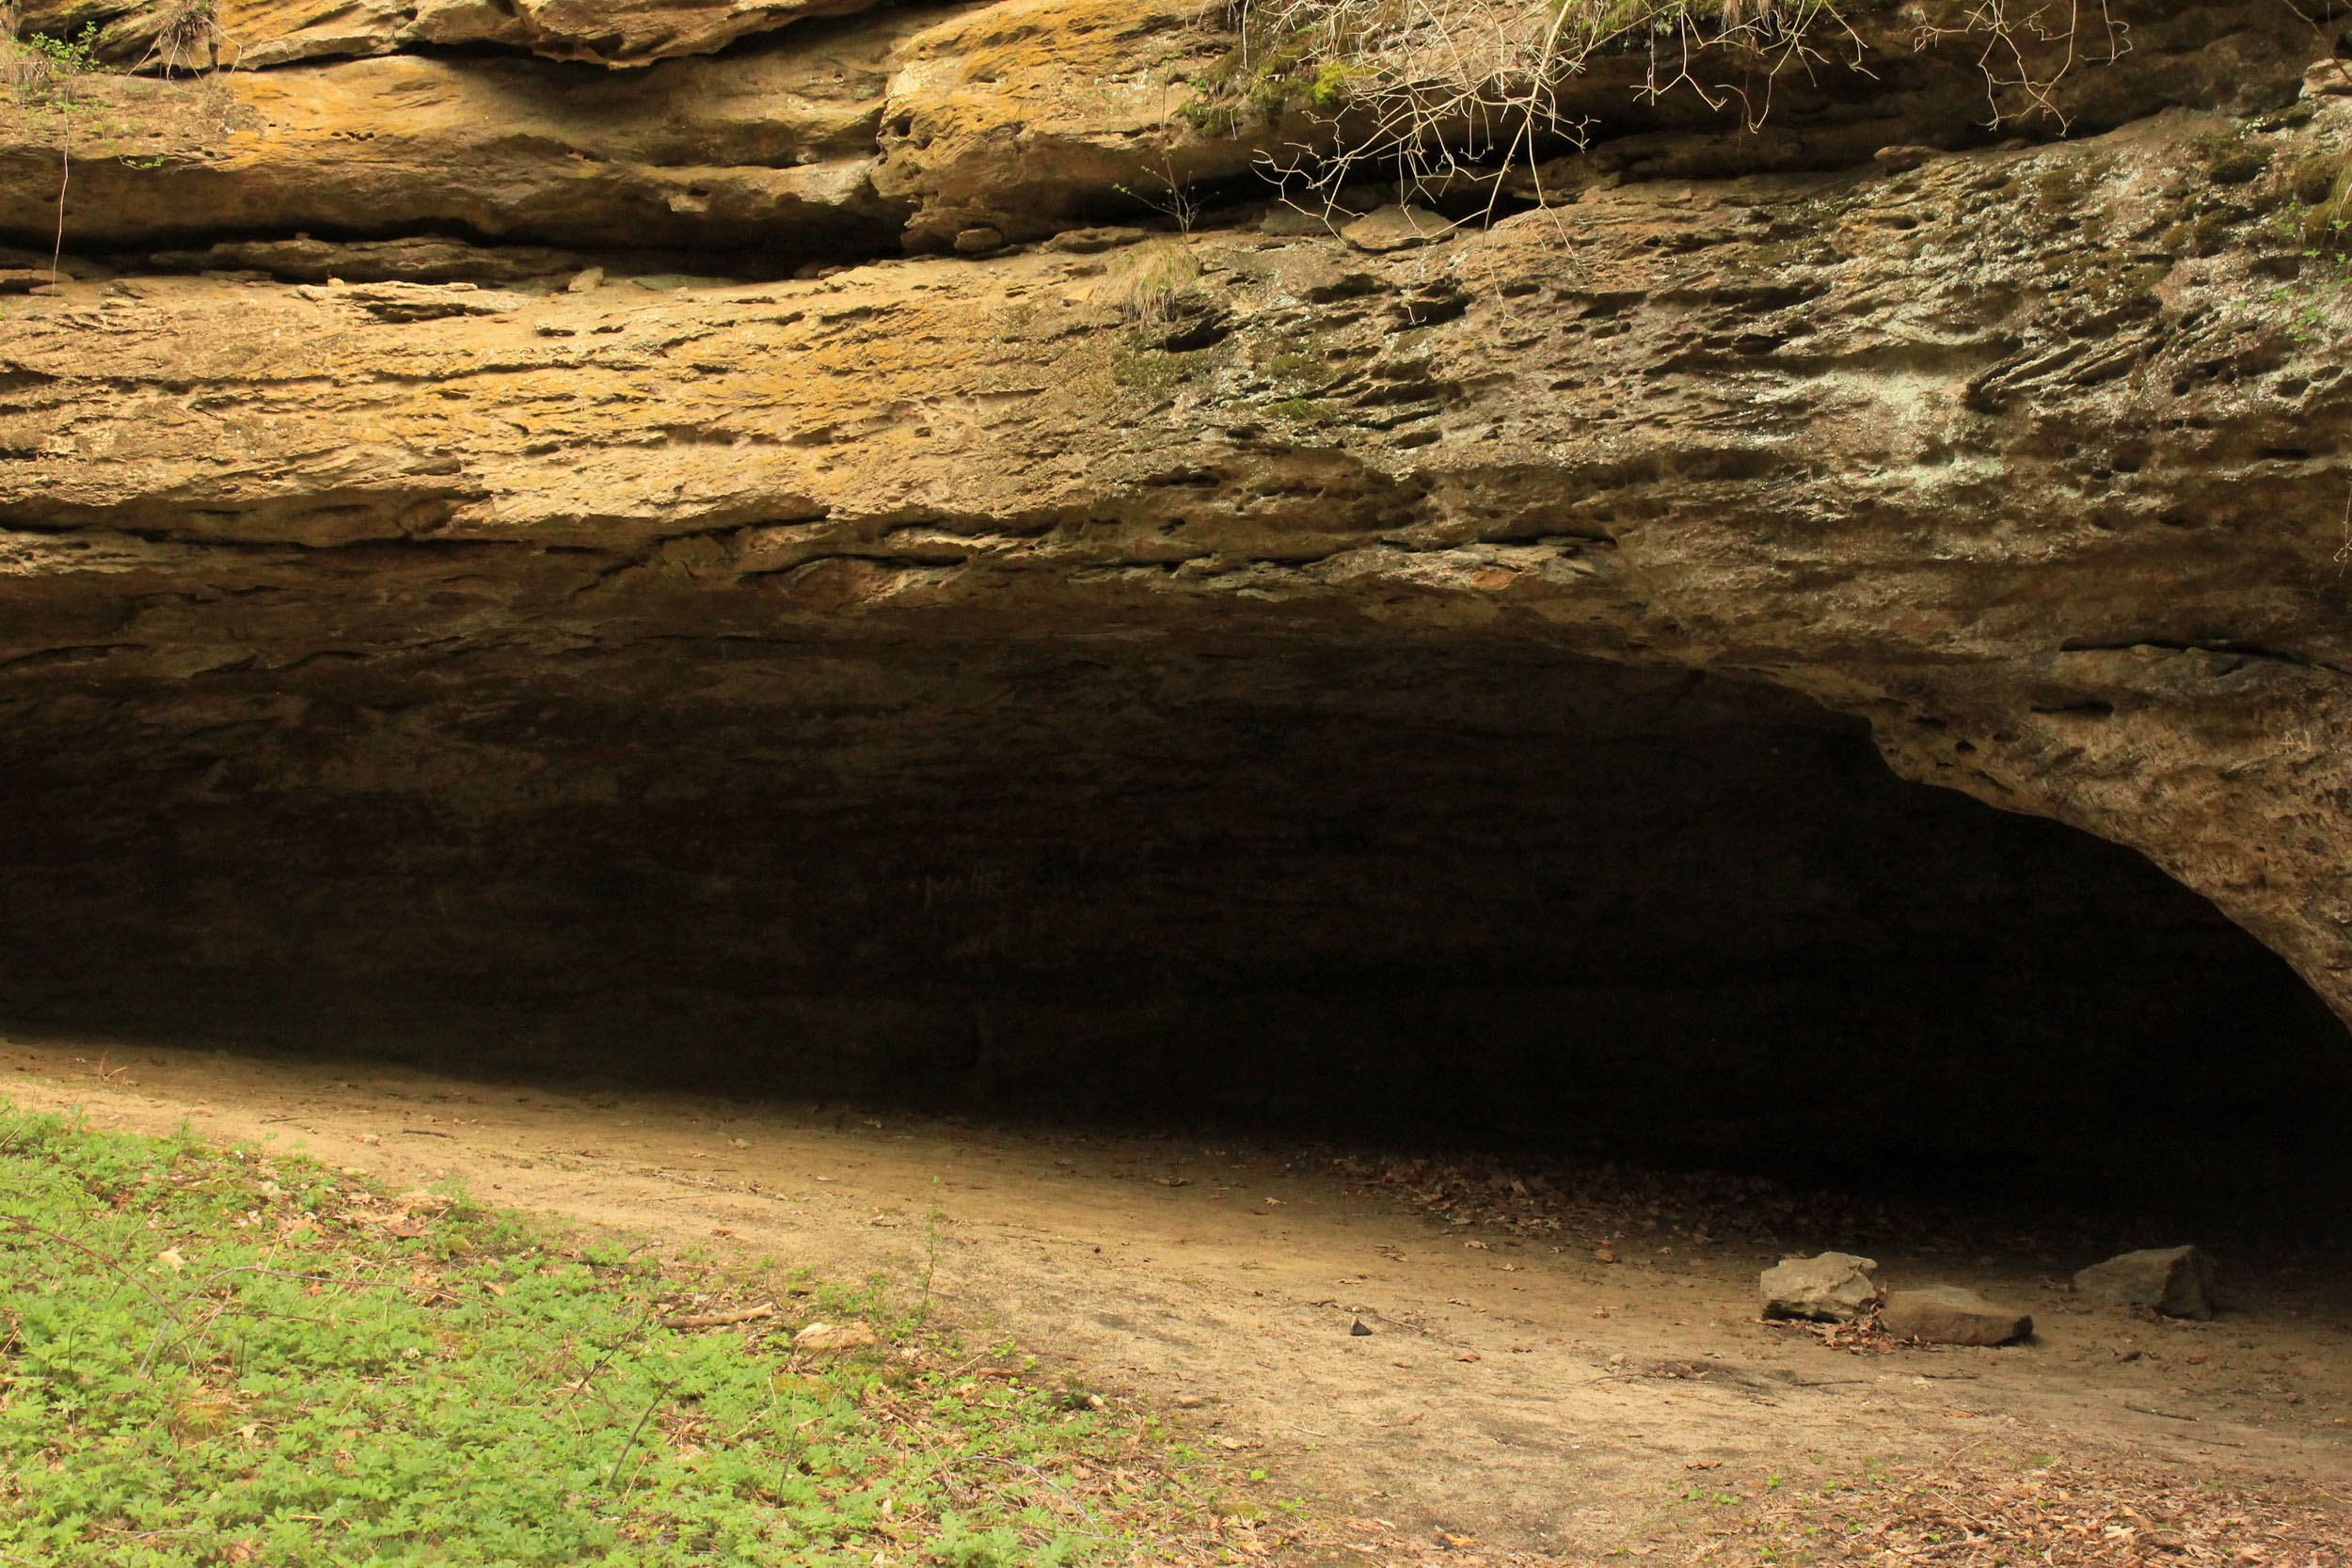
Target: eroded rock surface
x,y
2026,456
259,34
2056,521
769,152
850,136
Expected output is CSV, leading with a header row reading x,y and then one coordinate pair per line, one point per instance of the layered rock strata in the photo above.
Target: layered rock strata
x,y
2026,456
846,139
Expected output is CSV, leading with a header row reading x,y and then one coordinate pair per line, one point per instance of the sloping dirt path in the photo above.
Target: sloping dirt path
x,y
1513,1399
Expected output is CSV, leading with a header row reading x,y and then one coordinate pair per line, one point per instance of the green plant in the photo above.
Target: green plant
x,y
221,1355
46,73
38,62
46,70
2231,160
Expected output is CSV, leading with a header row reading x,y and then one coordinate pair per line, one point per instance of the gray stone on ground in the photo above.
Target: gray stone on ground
x,y
1834,1288
1396,229
1951,1315
978,242
2176,1281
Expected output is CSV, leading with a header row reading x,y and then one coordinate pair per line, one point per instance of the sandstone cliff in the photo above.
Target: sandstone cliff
x,y
353,527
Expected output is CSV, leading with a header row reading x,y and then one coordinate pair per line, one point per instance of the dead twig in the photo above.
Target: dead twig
x,y
660,1395
1447,93
116,1264
721,1320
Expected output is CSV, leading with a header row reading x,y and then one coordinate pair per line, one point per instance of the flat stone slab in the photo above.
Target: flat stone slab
x,y
1834,1286
1090,241
1289,222
1396,229
2175,1281
1952,1315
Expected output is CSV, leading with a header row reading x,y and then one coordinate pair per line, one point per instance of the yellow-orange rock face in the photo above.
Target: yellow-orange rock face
x,y
2028,456
260,34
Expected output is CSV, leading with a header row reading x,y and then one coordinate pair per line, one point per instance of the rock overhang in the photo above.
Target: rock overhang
x,y
2022,457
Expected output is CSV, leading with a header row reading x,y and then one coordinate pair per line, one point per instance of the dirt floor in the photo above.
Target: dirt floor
x,y
1558,1370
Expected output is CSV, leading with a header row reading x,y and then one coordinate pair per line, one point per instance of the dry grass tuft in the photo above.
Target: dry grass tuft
x,y
186,31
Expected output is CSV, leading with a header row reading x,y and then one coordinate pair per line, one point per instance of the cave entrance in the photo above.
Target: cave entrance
x,y
1467,893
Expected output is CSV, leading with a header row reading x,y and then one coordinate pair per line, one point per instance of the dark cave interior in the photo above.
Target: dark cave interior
x,y
1488,894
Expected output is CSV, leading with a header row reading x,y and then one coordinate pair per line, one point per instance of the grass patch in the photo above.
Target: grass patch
x,y
1156,288
224,1356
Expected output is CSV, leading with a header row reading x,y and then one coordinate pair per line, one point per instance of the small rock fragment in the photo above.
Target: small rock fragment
x,y
2175,1281
1089,242
1834,1288
2329,79
1358,1329
1951,1315
978,242
1901,160
584,282
1396,229
832,1337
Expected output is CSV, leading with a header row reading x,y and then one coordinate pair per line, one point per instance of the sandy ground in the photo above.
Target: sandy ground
x,y
1513,1397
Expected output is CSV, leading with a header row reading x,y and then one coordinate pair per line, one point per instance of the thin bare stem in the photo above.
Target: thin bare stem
x,y
660,1395
64,177
1445,93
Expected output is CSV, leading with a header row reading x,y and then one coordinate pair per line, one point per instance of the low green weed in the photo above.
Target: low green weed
x,y
221,1356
